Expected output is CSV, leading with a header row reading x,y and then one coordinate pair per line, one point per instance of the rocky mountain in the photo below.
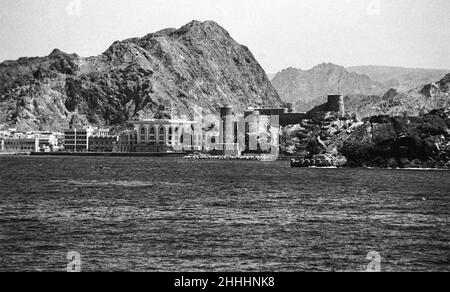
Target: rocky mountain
x,y
196,65
414,102
401,79
271,76
309,88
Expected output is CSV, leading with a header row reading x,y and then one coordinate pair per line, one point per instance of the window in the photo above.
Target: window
x,y
143,134
176,135
152,135
162,135
181,138
170,135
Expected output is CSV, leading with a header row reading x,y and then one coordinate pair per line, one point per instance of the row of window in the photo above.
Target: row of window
x,y
20,148
162,134
19,143
102,142
73,137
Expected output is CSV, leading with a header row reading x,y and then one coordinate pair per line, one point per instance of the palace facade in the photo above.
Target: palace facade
x,y
158,135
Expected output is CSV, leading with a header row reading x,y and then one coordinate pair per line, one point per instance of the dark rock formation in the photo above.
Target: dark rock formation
x,y
196,65
399,143
379,141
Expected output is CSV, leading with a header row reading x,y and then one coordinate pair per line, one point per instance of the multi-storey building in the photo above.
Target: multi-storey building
x,y
102,143
19,145
77,140
88,139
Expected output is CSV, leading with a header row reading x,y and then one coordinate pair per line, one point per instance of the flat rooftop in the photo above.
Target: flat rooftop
x,y
161,121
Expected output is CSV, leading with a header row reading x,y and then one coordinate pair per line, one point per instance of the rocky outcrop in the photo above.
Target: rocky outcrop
x,y
401,142
198,65
378,141
320,160
396,103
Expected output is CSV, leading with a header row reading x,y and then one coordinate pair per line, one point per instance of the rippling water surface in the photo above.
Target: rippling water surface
x,y
163,214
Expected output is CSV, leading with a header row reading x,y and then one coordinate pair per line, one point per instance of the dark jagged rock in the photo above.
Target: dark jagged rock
x,y
196,65
404,142
321,160
379,141
381,119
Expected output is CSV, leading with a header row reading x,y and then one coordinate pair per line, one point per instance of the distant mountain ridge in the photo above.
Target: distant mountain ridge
x,y
306,87
399,78
198,65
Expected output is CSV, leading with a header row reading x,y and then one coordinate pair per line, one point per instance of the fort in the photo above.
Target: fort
x,y
288,116
259,124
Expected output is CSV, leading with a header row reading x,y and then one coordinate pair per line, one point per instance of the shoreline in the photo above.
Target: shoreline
x,y
184,155
110,154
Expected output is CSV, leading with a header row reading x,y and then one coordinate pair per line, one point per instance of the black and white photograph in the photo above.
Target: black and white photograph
x,y
208,138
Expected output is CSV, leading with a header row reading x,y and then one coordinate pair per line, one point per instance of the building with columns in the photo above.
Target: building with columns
x,y
160,135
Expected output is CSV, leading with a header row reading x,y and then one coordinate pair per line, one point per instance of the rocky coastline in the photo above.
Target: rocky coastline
x,y
377,142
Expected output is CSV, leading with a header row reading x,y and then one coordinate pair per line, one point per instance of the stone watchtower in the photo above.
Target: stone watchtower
x,y
226,114
336,103
291,107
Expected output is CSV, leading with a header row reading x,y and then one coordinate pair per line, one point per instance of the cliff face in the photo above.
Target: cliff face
x,y
196,65
310,88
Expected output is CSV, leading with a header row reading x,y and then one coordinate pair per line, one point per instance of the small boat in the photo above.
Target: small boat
x,y
301,163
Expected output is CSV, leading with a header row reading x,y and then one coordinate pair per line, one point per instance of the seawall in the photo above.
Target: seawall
x,y
108,154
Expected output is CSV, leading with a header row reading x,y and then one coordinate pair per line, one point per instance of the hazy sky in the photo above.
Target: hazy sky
x,y
280,33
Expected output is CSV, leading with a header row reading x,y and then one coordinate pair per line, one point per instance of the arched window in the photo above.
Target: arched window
x,y
143,134
176,135
162,135
170,135
152,135
181,135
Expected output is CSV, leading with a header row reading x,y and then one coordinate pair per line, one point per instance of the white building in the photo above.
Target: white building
x,y
19,145
167,136
77,140
47,141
